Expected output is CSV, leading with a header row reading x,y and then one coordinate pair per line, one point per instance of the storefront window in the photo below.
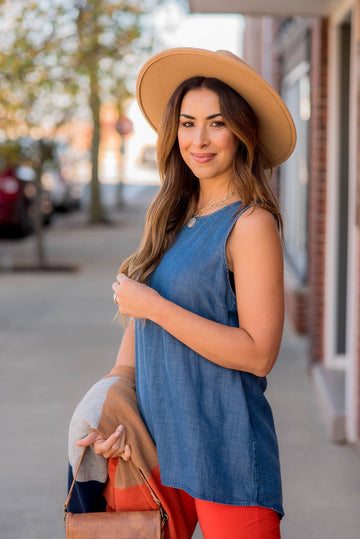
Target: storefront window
x,y
294,173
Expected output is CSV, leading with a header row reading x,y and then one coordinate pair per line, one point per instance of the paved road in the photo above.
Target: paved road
x,y
57,337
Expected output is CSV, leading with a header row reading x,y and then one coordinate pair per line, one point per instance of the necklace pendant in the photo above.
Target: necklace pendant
x,y
191,222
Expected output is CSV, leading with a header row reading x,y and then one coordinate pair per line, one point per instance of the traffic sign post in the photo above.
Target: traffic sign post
x,y
124,127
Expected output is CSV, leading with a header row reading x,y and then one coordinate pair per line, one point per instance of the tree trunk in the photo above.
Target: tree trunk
x,y
38,222
96,208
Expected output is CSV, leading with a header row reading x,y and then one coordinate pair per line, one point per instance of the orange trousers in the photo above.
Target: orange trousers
x,y
219,521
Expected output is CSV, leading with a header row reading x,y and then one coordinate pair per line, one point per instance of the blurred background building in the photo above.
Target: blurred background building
x,y
310,52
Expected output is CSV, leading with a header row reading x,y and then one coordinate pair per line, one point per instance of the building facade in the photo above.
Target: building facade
x,y
311,55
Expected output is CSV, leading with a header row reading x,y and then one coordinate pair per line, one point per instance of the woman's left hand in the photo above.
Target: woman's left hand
x,y
111,447
134,299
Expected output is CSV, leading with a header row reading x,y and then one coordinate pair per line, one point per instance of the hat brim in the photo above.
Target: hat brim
x,y
162,74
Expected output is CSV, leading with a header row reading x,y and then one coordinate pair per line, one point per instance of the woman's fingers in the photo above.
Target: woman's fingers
x,y
113,445
133,298
116,287
126,453
121,277
90,439
116,453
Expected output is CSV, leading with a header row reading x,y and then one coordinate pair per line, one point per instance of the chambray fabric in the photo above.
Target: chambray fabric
x,y
212,426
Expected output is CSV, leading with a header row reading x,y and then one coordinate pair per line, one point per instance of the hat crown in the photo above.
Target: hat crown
x,y
232,56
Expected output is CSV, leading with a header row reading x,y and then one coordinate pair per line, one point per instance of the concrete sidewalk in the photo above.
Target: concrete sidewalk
x,y
57,338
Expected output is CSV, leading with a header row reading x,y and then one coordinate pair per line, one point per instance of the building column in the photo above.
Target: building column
x,y
317,187
357,214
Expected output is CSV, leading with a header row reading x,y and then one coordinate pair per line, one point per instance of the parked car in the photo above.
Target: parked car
x,y
147,157
17,201
141,164
57,177
64,196
18,159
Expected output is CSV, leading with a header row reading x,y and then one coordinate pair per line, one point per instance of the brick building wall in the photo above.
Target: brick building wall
x,y
358,208
317,187
358,313
263,54
305,305
297,308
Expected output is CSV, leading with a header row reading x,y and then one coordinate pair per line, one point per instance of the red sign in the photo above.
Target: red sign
x,y
124,126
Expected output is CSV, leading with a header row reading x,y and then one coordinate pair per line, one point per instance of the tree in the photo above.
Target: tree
x,y
59,57
25,102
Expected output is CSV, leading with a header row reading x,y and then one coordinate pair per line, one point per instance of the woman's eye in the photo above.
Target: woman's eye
x,y
187,124
218,124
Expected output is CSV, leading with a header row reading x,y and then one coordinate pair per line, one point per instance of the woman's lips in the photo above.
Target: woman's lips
x,y
203,157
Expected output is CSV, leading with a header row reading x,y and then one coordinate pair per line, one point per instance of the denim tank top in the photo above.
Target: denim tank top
x,y
212,426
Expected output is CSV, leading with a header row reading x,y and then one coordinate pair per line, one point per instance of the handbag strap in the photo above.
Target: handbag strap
x,y
66,504
163,514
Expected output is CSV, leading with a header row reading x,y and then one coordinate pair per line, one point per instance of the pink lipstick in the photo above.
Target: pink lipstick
x,y
203,157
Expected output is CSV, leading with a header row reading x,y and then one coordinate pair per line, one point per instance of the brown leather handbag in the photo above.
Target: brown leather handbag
x,y
115,525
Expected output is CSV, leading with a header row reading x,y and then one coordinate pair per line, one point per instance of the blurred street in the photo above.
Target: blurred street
x,y
57,338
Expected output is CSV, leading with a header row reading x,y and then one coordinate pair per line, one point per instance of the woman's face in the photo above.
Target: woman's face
x,y
206,144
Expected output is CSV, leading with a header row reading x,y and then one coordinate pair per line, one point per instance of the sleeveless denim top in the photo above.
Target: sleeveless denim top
x,y
212,426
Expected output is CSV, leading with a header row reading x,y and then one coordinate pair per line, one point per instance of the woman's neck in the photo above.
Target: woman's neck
x,y
211,192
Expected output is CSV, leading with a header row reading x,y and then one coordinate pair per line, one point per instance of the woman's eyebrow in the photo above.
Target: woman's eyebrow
x,y
207,117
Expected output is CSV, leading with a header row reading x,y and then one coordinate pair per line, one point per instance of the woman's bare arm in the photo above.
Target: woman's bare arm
x,y
255,254
126,353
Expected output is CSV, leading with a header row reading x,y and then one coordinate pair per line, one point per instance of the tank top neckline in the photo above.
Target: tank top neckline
x,y
218,210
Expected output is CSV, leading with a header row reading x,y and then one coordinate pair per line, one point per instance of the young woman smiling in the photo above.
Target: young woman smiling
x,y
205,291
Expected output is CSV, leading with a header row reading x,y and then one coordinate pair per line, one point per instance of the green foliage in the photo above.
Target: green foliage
x,y
10,154
59,58
54,53
25,151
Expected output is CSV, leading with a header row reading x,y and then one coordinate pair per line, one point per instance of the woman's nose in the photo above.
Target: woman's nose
x,y
201,137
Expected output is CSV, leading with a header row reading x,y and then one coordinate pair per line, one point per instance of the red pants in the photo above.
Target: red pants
x,y
219,521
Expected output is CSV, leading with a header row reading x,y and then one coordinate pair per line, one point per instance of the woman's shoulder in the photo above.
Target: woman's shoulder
x,y
255,219
254,228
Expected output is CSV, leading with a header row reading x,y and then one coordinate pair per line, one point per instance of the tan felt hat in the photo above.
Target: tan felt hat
x,y
163,73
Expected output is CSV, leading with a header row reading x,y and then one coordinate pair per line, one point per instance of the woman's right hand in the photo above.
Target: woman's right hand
x,y
111,447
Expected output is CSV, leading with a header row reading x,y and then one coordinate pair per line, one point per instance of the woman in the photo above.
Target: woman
x,y
206,290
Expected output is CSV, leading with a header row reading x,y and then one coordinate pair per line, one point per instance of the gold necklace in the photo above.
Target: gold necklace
x,y
192,221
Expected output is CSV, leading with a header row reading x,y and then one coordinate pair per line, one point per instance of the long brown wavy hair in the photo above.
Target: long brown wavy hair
x,y
178,195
